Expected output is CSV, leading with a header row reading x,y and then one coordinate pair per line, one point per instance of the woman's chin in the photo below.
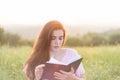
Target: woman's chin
x,y
56,49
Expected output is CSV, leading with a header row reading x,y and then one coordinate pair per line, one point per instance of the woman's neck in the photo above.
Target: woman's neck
x,y
54,53
58,55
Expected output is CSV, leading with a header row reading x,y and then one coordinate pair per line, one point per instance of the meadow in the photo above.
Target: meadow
x,y
100,63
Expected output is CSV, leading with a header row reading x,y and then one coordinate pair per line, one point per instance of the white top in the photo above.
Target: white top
x,y
70,56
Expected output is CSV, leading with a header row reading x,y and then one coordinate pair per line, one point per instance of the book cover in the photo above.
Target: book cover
x,y
50,68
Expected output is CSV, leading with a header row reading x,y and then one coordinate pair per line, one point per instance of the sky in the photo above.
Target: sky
x,y
72,12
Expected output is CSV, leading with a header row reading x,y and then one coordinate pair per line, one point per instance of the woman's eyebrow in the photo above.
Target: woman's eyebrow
x,y
55,36
61,36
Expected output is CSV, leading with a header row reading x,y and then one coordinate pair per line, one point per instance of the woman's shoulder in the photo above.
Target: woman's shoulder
x,y
71,52
25,68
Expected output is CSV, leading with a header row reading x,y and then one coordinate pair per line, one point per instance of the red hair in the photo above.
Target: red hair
x,y
40,51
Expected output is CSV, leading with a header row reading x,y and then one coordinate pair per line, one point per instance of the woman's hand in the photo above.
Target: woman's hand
x,y
62,75
39,71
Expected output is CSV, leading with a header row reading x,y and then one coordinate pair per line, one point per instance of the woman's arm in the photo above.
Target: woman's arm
x,y
39,71
29,75
82,77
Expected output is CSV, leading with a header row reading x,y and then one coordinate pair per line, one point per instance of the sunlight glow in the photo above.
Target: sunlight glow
x,y
77,12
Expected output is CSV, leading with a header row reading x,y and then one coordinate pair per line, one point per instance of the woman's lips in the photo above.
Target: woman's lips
x,y
56,47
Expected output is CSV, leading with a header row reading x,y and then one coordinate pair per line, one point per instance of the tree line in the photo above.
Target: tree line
x,y
93,39
88,39
7,38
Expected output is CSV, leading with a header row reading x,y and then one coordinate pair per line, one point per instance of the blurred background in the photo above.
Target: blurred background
x,y
93,29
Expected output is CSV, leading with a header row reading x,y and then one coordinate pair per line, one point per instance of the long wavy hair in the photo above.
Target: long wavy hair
x,y
40,51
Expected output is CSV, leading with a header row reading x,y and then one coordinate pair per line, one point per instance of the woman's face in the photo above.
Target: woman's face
x,y
57,39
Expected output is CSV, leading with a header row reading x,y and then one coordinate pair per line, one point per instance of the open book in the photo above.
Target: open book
x,y
50,68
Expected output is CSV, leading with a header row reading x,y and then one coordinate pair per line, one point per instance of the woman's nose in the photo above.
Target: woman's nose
x,y
57,41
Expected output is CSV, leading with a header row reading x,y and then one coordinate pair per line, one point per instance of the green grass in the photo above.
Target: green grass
x,y
11,62
100,63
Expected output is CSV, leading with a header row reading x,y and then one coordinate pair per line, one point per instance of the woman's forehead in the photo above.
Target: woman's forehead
x,y
58,32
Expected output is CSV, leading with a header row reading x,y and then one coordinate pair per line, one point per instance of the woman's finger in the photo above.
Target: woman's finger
x,y
72,70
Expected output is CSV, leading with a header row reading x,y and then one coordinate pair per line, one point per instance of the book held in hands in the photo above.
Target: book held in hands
x,y
50,68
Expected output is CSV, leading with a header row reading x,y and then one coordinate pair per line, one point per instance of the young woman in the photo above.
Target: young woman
x,y
48,47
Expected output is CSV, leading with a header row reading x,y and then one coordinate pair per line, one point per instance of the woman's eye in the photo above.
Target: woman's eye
x,y
61,38
53,38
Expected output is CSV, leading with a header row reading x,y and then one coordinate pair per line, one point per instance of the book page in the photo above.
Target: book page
x,y
54,61
73,59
